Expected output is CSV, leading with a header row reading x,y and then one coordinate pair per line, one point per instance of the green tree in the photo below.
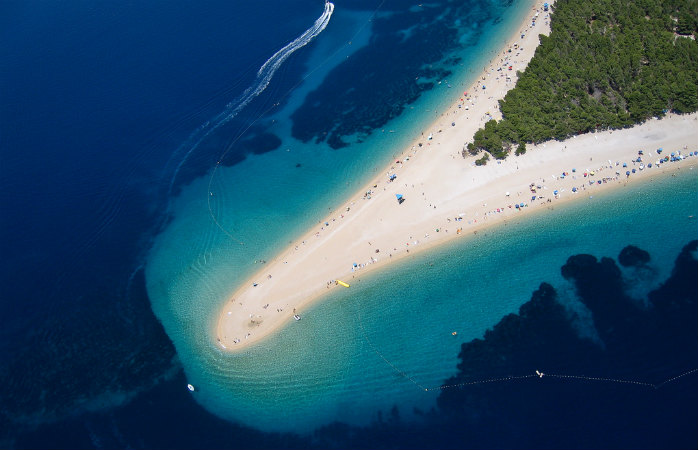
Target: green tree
x,y
606,64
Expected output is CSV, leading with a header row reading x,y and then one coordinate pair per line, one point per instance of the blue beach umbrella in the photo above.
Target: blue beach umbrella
x,y
633,170
399,196
574,189
555,192
627,173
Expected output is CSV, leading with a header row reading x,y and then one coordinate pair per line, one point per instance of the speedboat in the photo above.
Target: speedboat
x,y
297,317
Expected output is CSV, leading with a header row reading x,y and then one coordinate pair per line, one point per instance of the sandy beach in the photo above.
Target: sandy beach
x,y
446,197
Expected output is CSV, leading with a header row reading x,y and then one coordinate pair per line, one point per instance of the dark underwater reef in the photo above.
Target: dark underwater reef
x,y
380,80
87,352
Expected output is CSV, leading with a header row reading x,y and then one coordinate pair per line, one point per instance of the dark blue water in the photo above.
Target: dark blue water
x,y
96,100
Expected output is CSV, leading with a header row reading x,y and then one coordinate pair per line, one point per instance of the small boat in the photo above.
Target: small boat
x,y
191,387
297,317
342,283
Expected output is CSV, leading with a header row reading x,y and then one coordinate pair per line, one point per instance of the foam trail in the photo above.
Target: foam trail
x,y
264,76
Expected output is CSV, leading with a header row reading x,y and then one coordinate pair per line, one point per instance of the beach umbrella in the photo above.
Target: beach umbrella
x,y
574,189
399,196
574,170
633,170
555,192
521,205
625,165
627,173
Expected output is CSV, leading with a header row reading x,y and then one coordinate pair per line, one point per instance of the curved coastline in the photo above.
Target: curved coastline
x,y
445,197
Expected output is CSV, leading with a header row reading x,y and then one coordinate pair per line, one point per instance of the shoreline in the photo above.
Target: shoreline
x,y
445,197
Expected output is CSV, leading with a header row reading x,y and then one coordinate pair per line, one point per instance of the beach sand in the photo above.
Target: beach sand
x,y
447,196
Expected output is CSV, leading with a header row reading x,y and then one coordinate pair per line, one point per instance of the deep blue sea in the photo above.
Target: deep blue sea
x,y
141,143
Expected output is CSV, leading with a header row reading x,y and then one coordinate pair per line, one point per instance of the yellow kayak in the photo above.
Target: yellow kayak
x,y
341,283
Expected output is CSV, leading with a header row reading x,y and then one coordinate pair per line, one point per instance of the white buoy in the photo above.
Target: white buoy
x,y
190,387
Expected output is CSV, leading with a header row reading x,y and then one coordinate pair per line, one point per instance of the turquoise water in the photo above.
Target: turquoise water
x,y
389,337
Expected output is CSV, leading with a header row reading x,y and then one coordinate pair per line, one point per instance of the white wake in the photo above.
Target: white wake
x,y
264,76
